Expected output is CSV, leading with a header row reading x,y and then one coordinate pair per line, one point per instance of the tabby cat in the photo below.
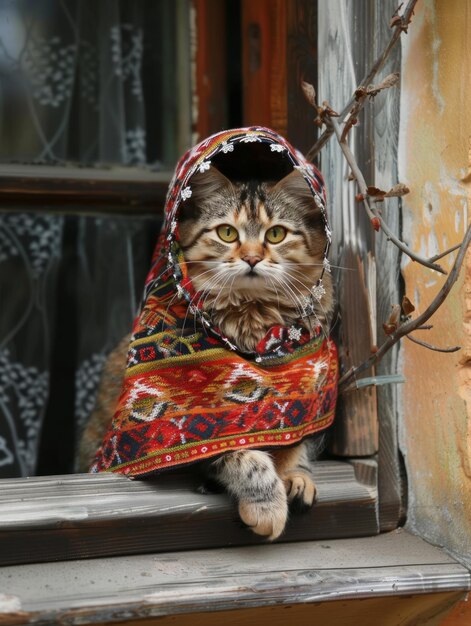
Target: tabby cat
x,y
254,250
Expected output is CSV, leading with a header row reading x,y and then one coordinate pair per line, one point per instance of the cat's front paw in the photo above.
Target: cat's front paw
x,y
266,517
300,490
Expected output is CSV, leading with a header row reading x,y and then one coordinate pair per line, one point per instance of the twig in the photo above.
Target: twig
x,y
413,324
442,254
371,211
430,347
378,64
361,95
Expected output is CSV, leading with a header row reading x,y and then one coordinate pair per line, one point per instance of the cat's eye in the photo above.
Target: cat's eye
x,y
227,233
275,234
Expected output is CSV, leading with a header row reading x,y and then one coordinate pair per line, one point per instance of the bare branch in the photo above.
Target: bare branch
x,y
375,218
411,325
399,27
430,347
442,254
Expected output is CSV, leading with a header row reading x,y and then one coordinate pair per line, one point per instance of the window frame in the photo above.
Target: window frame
x,y
74,532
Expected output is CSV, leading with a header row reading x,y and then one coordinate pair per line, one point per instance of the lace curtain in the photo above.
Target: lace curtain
x,y
89,83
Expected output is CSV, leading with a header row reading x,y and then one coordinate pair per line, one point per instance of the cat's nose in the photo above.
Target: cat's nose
x,y
252,259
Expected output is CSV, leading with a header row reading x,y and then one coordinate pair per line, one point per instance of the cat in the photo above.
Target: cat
x,y
254,249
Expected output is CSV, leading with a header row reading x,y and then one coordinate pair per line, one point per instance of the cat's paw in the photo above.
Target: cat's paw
x,y
267,517
300,490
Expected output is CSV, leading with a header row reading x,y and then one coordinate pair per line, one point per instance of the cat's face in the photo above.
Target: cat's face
x,y
260,240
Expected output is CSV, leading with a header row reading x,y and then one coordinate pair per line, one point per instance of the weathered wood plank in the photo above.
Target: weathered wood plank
x,y
345,51
264,63
302,66
210,101
81,516
386,138
119,588
427,609
83,190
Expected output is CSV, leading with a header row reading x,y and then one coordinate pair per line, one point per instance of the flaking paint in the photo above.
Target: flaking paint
x,y
434,161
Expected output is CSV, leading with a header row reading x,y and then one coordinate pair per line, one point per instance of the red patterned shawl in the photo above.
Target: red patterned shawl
x,y
192,395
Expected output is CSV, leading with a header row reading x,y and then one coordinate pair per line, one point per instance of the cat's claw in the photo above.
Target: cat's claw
x,y
266,518
300,490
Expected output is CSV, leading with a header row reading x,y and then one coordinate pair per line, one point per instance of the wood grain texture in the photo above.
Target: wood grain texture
x,y
346,30
83,516
386,138
264,63
385,568
428,609
460,614
83,190
301,66
210,105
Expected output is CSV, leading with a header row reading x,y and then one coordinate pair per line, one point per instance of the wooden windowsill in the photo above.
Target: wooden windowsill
x,y
84,516
234,581
68,189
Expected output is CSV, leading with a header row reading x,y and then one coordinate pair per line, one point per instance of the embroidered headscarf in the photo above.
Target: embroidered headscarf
x,y
188,397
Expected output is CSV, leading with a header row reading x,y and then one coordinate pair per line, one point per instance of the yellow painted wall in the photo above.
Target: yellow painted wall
x,y
435,162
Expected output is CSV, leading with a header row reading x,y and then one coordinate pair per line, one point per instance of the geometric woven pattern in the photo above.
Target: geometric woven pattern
x,y
188,392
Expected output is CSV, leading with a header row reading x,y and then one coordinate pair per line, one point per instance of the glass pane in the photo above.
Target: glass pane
x,y
93,81
69,288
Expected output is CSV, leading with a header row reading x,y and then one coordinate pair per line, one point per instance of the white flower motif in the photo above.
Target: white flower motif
x,y
277,147
168,457
127,47
227,147
250,139
204,167
318,291
133,149
186,193
294,333
204,449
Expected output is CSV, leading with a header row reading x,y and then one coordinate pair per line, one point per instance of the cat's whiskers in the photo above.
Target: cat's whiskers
x,y
272,283
290,294
232,275
337,267
318,303
200,294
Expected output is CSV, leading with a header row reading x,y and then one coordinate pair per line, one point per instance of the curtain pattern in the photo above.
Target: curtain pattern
x,y
79,85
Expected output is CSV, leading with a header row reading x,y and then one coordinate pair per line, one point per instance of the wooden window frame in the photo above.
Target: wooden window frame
x,y
82,516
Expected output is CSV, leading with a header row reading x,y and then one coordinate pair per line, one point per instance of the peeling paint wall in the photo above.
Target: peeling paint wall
x,y
435,162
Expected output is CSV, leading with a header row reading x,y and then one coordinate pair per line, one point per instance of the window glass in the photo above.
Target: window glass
x,y
90,82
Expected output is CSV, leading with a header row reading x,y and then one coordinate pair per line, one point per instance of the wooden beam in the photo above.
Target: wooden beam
x,y
264,63
84,516
83,190
210,54
389,579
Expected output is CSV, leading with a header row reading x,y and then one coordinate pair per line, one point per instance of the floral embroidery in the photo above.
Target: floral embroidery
x,y
318,291
134,148
227,147
204,166
250,139
294,333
